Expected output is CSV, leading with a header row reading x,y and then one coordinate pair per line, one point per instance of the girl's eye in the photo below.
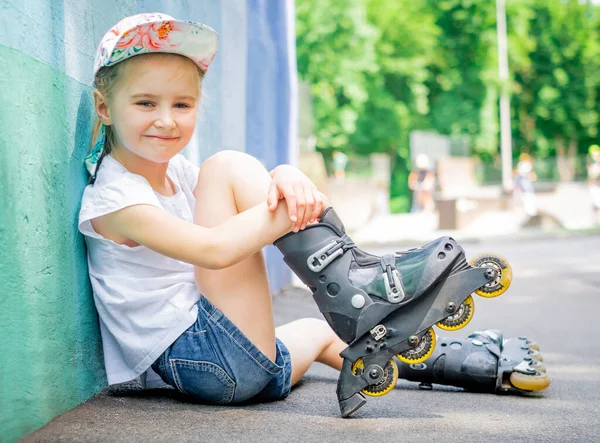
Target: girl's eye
x,y
146,104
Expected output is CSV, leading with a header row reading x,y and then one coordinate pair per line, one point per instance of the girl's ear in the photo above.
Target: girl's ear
x,y
102,108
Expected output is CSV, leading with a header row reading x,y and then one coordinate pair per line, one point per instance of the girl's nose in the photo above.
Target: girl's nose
x,y
165,120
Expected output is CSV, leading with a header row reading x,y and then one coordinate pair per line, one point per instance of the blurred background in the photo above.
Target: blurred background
x,y
462,115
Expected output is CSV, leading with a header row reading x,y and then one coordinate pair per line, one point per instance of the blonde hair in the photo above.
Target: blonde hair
x,y
105,81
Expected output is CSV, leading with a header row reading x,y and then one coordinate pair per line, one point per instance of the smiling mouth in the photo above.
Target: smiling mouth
x,y
161,138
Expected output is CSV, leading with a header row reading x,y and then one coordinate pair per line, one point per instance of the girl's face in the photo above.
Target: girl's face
x,y
153,106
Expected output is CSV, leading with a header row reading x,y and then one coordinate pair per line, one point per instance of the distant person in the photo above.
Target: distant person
x,y
524,192
422,182
593,177
340,160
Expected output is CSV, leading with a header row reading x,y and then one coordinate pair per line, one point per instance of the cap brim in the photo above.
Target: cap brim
x,y
195,41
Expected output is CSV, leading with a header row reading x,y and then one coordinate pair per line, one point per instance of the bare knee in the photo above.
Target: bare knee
x,y
224,162
237,173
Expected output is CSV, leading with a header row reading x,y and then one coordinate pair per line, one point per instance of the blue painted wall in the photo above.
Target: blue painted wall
x,y
50,347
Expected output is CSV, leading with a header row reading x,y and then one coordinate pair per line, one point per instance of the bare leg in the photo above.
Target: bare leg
x,y
242,291
309,340
230,182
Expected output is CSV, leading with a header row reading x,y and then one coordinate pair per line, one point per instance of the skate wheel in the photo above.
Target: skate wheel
x,y
387,382
502,280
529,382
460,318
540,367
536,355
422,351
533,345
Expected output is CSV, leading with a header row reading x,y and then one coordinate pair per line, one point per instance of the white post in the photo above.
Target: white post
x,y
505,131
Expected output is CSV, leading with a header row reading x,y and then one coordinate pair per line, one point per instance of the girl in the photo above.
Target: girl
x,y
174,251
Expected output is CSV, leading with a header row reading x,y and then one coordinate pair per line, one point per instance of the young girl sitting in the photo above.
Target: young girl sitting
x,y
174,251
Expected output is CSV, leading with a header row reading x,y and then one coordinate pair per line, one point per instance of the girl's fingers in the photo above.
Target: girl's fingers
x,y
301,207
304,201
318,207
273,196
290,198
310,204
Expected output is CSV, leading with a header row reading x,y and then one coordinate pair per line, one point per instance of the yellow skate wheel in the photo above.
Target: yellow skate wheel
x,y
387,382
533,345
540,367
525,382
422,351
503,278
536,355
460,318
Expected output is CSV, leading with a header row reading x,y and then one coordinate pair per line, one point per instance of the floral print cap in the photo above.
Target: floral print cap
x,y
156,32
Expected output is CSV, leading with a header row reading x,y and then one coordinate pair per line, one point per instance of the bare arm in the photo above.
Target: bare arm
x,y
213,248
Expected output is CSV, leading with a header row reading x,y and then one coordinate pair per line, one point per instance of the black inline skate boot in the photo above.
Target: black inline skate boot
x,y
484,362
386,306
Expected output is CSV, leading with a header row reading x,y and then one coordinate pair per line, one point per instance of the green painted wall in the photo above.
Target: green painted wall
x,y
50,349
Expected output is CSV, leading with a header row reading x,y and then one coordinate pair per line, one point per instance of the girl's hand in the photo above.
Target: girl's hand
x,y
304,201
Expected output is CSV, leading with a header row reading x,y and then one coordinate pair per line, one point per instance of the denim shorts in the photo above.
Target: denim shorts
x,y
216,363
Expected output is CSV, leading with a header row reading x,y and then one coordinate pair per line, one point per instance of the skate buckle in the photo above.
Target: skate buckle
x,y
394,291
378,332
320,259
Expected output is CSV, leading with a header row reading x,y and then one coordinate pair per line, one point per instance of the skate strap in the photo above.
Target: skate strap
x,y
348,243
336,248
388,263
391,278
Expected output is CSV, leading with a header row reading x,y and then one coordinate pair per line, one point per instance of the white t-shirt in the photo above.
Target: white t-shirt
x,y
145,300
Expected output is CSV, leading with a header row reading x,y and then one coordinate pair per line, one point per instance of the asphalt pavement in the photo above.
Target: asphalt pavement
x,y
554,299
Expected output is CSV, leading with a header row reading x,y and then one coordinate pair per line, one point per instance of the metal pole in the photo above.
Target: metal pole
x,y
505,131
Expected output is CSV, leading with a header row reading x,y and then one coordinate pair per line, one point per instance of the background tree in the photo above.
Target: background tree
x,y
397,102
335,49
379,70
554,109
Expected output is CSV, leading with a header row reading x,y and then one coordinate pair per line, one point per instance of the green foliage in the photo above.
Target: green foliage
x,y
556,82
405,48
458,89
400,205
379,69
335,50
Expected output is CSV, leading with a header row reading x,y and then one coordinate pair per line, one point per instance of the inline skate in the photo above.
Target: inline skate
x,y
483,362
385,306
